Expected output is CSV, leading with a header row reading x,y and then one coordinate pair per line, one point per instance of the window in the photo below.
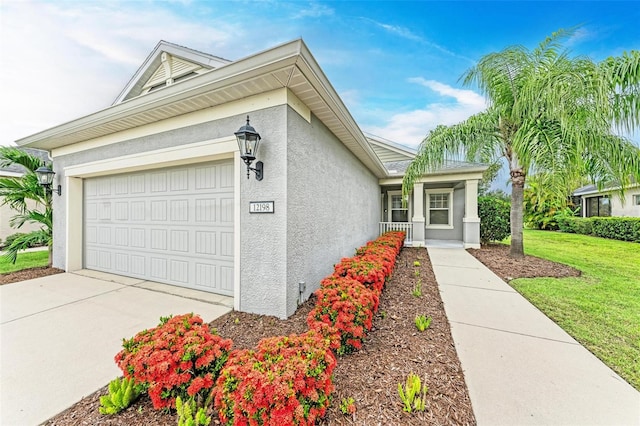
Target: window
x,y
439,208
598,206
397,213
636,200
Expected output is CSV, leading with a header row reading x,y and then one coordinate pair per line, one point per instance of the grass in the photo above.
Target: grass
x,y
25,260
600,309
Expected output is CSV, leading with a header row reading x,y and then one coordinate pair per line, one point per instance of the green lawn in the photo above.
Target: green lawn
x,y
600,309
25,260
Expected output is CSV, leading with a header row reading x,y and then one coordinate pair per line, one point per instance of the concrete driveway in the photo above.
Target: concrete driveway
x,y
59,334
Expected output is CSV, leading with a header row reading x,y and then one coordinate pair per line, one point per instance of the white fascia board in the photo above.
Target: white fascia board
x,y
604,191
442,176
268,61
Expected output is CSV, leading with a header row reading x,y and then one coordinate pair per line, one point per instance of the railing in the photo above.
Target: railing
x,y
398,226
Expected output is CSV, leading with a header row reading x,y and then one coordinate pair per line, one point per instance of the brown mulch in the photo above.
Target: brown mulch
x,y
393,349
28,274
496,257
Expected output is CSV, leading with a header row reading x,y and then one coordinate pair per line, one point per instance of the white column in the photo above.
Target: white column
x,y
471,221
471,199
418,215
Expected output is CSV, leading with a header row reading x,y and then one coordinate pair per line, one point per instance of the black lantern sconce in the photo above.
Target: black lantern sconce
x,y
248,141
45,179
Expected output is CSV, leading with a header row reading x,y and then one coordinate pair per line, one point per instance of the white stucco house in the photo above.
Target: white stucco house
x,y
607,201
154,186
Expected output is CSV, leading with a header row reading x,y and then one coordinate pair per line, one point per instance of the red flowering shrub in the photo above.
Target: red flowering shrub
x,y
368,269
393,239
348,306
285,381
180,357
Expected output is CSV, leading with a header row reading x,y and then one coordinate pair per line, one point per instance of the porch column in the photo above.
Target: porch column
x,y
471,221
418,215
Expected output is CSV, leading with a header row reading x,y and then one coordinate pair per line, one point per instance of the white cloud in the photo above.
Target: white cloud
x,y
65,60
410,35
400,31
409,128
315,10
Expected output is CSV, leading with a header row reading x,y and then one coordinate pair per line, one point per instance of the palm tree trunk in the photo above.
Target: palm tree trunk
x,y
517,211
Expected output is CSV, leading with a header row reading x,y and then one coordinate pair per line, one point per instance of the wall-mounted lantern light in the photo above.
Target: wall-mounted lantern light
x,y
248,141
45,179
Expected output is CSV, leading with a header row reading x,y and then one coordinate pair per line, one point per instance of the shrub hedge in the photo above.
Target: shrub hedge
x,y
495,218
615,228
286,380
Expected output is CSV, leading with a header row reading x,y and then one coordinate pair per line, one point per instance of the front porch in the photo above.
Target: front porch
x,y
407,227
442,209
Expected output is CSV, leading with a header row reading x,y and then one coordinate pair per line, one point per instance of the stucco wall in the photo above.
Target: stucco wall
x,y
263,259
458,215
333,204
618,208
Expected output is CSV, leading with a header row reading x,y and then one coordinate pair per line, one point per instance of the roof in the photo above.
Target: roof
x,y
388,150
290,65
593,189
398,168
153,63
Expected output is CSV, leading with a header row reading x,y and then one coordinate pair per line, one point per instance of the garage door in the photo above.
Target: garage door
x,y
173,225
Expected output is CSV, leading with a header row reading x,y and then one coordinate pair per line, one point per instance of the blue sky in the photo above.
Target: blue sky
x,y
396,65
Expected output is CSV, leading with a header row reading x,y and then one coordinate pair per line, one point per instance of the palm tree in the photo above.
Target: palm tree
x,y
548,112
31,201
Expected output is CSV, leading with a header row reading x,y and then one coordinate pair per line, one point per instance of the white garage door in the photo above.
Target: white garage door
x,y
170,225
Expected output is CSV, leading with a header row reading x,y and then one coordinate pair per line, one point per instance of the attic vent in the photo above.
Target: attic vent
x,y
175,80
184,77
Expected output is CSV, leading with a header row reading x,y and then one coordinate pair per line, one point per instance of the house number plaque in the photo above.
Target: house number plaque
x,y
261,207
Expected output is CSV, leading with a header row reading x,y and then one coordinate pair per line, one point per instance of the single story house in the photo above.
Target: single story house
x,y
154,186
607,201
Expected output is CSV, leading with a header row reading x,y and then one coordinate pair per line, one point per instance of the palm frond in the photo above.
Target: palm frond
x,y
24,242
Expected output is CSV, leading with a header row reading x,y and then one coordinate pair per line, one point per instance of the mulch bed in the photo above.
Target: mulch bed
x,y
393,349
28,274
496,257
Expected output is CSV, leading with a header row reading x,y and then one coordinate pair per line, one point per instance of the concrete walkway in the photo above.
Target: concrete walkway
x,y
520,367
59,334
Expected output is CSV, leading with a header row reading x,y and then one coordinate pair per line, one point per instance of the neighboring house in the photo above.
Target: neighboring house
x,y
607,202
6,212
153,187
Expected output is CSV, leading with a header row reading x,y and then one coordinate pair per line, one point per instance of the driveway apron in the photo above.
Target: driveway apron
x,y
59,335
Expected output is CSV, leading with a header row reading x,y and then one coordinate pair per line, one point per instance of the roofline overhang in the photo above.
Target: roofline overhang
x,y
294,53
472,172
605,191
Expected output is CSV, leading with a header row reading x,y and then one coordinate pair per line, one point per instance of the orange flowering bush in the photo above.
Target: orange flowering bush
x,y
179,357
346,305
368,269
285,381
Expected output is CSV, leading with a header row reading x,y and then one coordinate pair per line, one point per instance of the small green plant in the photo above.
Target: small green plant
x,y
348,406
189,414
416,263
413,395
383,314
417,289
422,322
122,393
416,273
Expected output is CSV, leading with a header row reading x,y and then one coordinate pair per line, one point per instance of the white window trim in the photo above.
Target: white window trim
x,y
427,198
390,204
